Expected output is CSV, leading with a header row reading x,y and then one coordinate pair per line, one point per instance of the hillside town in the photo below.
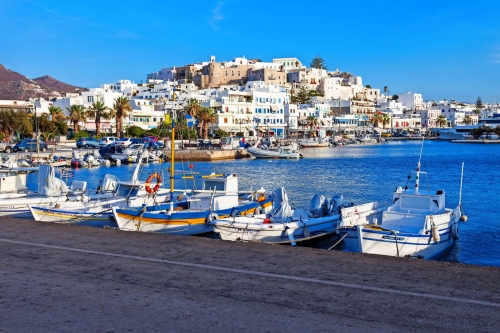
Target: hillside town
x,y
249,98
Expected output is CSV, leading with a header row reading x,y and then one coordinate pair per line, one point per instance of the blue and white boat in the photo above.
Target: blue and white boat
x,y
415,224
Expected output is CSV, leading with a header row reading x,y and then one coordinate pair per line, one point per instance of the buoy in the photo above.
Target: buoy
x,y
463,218
435,233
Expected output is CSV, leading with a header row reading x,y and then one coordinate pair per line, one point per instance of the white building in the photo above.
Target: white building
x,y
411,101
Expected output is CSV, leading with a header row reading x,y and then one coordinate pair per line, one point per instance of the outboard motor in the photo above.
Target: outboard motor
x,y
318,206
336,204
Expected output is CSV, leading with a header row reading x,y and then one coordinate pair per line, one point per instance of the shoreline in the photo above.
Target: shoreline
x,y
81,278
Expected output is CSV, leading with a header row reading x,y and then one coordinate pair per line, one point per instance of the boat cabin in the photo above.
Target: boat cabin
x,y
224,197
415,207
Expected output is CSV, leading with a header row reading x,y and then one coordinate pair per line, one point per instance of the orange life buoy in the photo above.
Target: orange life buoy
x,y
156,176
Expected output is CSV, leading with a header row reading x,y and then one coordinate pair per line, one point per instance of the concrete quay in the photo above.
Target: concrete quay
x,y
64,278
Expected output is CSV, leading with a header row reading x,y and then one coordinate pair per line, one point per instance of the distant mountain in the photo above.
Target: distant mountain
x,y
6,75
56,85
18,87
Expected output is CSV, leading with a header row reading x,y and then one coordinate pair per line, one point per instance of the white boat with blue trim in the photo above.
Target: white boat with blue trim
x,y
415,224
284,225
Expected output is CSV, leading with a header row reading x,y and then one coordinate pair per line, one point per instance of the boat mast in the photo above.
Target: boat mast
x,y
172,147
417,180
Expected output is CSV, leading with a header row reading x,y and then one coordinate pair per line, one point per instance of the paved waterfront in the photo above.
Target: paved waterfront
x,y
73,279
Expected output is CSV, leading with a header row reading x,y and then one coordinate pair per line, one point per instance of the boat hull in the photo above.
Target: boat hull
x,y
261,153
377,241
92,218
184,222
252,229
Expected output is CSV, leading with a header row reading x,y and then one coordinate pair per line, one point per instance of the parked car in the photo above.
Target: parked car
x,y
148,142
29,145
404,134
124,142
152,137
87,142
386,135
376,135
396,134
106,140
6,147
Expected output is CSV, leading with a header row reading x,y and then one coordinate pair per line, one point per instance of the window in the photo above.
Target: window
x,y
90,99
226,75
225,120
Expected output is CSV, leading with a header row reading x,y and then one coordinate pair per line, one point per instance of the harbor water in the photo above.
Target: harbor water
x,y
363,173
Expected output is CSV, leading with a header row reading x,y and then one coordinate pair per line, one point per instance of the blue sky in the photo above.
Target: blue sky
x,y
441,49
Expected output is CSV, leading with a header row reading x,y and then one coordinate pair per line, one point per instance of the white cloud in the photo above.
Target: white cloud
x,y
217,16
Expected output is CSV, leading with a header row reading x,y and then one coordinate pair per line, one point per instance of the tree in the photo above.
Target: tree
x,y
15,121
395,97
479,105
376,118
368,86
468,119
312,122
56,113
206,116
97,111
318,62
193,107
282,68
121,109
386,119
76,114
302,96
441,120
386,89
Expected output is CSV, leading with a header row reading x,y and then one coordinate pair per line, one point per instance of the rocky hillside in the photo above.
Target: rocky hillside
x,y
56,85
18,87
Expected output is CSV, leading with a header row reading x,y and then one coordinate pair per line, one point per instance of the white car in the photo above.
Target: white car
x,y
106,140
124,142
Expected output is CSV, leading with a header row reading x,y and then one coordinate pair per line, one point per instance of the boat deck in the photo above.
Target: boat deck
x,y
76,279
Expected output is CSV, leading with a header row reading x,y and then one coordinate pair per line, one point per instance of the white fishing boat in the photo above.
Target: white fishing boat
x,y
283,225
91,210
415,224
219,196
276,154
313,143
368,139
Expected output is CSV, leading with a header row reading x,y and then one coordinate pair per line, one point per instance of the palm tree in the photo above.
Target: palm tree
x,y
206,116
56,113
468,119
121,108
386,90
386,119
441,120
312,122
376,118
76,114
193,107
97,111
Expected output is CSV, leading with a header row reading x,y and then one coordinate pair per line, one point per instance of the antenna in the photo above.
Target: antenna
x,y
461,180
417,180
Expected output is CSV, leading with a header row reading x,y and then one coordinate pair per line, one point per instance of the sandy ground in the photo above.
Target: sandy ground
x,y
135,282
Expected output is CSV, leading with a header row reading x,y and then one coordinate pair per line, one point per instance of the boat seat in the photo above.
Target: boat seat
x,y
78,186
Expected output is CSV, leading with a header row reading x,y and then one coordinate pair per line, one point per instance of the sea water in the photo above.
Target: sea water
x,y
369,172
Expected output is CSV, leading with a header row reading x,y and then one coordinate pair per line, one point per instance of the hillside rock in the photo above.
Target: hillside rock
x,y
15,86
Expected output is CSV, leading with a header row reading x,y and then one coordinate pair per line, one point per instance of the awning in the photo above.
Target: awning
x,y
275,108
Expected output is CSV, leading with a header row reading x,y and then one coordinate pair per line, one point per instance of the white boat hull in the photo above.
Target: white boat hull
x,y
262,153
252,229
407,245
